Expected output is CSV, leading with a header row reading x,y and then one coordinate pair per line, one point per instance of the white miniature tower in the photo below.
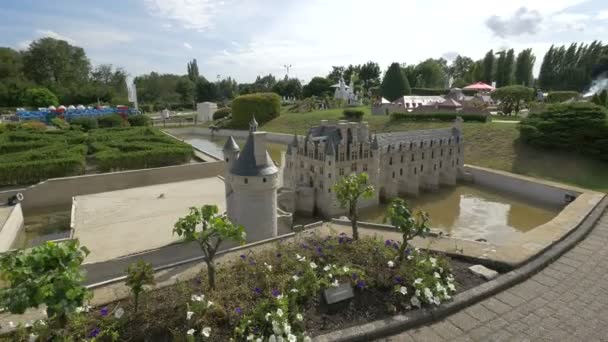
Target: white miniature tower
x,y
253,182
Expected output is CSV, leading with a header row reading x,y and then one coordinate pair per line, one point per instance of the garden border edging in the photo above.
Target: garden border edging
x,y
400,323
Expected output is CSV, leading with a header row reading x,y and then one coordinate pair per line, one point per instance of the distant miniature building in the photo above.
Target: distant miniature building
x,y
397,163
205,110
346,93
252,181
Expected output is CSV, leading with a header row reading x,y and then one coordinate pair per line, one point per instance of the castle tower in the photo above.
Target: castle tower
x,y
253,179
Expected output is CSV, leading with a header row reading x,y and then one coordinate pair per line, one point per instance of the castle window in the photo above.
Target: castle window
x,y
353,167
411,145
393,174
329,190
321,156
431,143
400,172
341,156
450,152
457,140
421,144
364,167
432,154
415,171
440,142
457,161
422,155
246,181
402,159
227,160
301,164
440,164
365,154
421,167
459,150
434,167
321,170
264,180
441,152
353,155
321,185
329,175
329,163
412,157
341,172
390,161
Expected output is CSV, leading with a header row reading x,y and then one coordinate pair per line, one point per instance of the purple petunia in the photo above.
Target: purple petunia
x,y
360,284
94,332
355,276
395,245
398,280
319,250
243,256
257,290
239,310
279,255
305,246
387,243
104,311
276,293
251,262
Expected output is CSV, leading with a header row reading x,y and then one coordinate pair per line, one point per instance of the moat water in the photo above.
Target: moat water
x,y
472,212
214,145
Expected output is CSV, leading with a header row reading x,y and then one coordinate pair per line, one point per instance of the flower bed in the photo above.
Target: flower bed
x,y
278,291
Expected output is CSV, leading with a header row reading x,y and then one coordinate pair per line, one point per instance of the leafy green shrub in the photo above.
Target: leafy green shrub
x,y
114,120
467,117
139,120
34,126
60,123
512,97
561,96
40,97
353,114
86,122
578,126
222,113
265,107
49,274
146,108
139,274
430,91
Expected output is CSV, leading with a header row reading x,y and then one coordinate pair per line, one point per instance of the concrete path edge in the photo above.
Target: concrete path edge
x,y
399,323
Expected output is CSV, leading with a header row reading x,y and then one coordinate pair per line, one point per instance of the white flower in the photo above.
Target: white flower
x,y
417,293
417,281
206,331
79,309
326,268
313,265
189,315
330,276
436,275
287,328
391,264
11,324
436,300
298,256
294,290
427,293
269,267
410,257
32,338
209,303
345,269
292,338
276,328
43,323
197,298
295,277
119,312
307,339
335,283
451,287
280,312
403,290
190,332
272,338
415,301
433,261
440,269
250,337
267,316
299,317
258,339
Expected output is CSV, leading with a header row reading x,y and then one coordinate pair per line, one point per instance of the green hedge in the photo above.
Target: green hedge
x,y
139,120
467,117
353,114
30,172
110,121
222,113
561,96
577,126
265,107
86,122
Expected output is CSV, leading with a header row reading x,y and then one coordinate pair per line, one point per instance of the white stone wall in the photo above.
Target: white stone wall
x,y
10,229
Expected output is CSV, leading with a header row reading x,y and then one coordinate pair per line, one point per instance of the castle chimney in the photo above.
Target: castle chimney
x,y
259,144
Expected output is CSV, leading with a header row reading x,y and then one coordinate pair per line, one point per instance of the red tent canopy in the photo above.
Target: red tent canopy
x,y
479,86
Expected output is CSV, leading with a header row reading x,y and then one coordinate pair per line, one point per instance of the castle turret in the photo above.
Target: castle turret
x,y
231,153
254,181
253,124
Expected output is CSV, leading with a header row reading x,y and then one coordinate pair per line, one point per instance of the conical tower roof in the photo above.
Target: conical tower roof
x,y
375,144
253,124
231,145
247,165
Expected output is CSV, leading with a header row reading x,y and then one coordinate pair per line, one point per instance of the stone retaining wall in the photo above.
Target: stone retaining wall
x,y
10,227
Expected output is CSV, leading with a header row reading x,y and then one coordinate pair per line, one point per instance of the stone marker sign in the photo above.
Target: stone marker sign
x,y
338,294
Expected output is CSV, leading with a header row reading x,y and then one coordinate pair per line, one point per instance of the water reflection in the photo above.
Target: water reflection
x,y
214,145
472,212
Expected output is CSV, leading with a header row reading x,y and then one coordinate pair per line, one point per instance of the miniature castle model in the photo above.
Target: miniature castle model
x,y
397,163
252,181
346,93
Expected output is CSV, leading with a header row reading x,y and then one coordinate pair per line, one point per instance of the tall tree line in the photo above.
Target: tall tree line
x,y
571,67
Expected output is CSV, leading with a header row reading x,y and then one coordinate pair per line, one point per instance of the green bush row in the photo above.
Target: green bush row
x,y
40,169
222,113
467,117
113,159
577,126
353,114
561,96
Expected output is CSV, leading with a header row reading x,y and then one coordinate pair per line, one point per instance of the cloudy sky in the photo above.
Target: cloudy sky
x,y
245,38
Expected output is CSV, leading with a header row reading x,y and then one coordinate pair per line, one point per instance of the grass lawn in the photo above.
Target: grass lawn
x,y
493,145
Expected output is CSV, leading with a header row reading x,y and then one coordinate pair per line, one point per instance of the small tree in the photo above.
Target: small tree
x,y
348,191
395,84
48,274
214,229
139,274
400,216
40,97
511,97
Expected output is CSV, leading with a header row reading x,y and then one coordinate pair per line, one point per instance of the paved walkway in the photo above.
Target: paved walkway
x,y
567,301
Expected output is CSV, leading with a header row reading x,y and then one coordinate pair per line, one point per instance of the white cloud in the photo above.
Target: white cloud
x,y
187,46
521,22
602,15
190,14
55,35
23,45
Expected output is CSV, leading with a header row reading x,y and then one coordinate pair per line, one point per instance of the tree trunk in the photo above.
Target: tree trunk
x,y
136,298
354,221
211,273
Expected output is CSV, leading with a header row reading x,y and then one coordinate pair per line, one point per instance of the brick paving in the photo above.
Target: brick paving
x,y
567,301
